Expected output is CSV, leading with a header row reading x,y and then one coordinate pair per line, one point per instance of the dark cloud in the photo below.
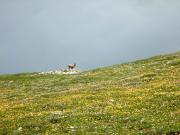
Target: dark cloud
x,y
42,35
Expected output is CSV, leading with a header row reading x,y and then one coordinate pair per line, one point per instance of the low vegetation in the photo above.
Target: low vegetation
x,y
142,97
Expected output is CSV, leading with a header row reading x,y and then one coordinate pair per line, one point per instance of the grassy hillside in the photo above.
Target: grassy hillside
x,y
142,97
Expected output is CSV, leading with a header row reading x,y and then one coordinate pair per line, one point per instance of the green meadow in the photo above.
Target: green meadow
x,y
141,97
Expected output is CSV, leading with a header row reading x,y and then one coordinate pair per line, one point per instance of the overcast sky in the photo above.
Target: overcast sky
x,y
40,35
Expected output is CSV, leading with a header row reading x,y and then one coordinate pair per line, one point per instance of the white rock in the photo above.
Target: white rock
x,y
60,72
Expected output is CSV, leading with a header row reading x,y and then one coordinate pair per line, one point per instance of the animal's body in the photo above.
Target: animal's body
x,y
71,66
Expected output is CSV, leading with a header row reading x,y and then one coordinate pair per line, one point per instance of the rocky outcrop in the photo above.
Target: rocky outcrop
x,y
66,71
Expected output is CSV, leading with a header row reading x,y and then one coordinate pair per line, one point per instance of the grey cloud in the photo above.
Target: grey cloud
x,y
42,35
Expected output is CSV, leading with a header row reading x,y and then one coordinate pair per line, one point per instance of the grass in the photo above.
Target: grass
x,y
141,97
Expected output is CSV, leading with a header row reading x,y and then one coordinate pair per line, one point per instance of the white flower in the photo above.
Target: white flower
x,y
20,129
71,127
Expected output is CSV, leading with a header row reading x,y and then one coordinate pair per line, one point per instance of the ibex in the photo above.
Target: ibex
x,y
71,66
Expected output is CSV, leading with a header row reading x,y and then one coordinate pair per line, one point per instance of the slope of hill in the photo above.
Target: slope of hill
x,y
142,97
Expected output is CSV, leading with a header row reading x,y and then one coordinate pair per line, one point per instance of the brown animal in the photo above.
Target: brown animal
x,y
71,66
